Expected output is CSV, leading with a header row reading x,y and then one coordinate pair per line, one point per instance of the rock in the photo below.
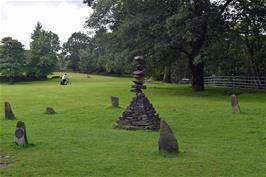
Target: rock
x,y
3,165
50,110
234,104
8,111
167,141
20,134
114,101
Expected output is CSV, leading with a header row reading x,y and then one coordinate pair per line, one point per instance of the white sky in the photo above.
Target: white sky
x,y
18,18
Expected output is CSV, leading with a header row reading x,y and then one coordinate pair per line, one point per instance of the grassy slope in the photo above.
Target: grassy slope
x,y
80,141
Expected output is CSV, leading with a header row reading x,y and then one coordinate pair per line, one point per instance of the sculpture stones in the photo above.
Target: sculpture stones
x,y
234,104
114,101
20,134
167,141
50,110
140,113
8,111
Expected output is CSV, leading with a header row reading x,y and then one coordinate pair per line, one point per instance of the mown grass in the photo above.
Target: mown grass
x,y
79,140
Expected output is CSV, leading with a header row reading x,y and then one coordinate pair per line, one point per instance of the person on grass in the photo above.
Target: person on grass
x,y
64,79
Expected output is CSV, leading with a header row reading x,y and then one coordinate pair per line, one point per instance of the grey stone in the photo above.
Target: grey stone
x,y
3,165
167,141
114,101
50,110
234,104
20,137
8,111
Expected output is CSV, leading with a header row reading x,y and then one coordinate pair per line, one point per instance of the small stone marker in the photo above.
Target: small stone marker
x,y
167,141
234,104
3,164
114,101
20,134
50,110
8,111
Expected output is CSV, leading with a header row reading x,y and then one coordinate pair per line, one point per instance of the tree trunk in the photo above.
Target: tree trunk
x,y
197,72
167,73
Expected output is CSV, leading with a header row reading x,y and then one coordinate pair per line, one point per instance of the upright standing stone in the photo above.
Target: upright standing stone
x,y
8,111
167,141
114,101
140,113
20,134
50,110
234,104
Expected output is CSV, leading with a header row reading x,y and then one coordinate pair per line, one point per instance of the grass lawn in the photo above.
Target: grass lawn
x,y
79,140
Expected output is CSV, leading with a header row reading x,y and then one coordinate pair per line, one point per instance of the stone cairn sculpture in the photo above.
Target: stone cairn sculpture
x,y
234,104
140,113
8,111
20,134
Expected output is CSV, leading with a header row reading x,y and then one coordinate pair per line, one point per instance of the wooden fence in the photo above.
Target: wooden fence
x,y
252,82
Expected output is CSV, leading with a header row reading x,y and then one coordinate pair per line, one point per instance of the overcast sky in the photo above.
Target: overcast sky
x,y
63,17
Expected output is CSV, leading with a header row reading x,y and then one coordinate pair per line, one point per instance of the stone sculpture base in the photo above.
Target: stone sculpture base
x,y
140,114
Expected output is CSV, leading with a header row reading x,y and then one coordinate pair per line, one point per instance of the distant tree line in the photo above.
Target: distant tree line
x,y
178,38
16,63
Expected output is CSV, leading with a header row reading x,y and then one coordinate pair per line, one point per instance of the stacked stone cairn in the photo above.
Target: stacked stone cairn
x,y
140,113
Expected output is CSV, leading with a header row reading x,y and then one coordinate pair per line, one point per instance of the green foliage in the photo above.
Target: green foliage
x,y
75,42
223,37
88,61
43,56
79,140
12,58
250,22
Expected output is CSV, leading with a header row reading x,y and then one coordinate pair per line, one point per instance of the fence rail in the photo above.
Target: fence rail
x,y
252,82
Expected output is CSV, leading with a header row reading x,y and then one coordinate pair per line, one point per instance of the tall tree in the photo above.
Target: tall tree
x,y
43,52
158,28
249,20
135,28
12,58
75,42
